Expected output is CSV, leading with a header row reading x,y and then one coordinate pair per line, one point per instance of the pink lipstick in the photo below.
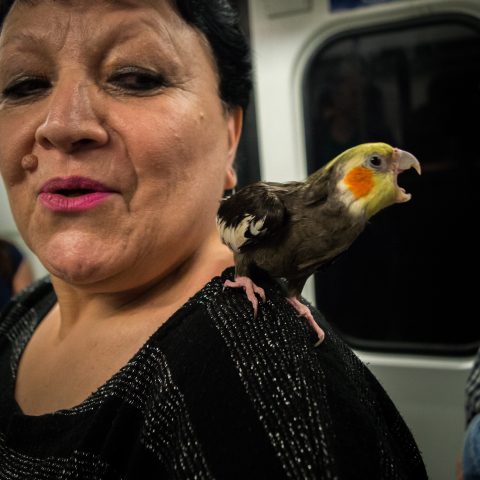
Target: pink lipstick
x,y
73,194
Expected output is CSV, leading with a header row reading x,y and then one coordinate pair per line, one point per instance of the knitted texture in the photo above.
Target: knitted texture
x,y
213,394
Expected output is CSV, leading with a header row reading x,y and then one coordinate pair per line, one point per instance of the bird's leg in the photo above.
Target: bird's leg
x,y
250,289
304,311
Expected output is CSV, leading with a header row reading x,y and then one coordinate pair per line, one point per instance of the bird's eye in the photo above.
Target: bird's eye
x,y
375,161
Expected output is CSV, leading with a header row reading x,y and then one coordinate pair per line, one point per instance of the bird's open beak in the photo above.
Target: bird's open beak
x,y
404,161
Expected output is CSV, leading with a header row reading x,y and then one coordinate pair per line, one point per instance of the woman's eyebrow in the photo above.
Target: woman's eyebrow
x,y
106,41
29,40
127,30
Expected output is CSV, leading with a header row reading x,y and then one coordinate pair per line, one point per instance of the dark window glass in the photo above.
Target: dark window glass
x,y
410,281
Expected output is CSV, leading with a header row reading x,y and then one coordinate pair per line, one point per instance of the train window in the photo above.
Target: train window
x,y
409,282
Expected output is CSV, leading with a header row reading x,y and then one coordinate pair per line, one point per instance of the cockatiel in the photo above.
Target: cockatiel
x,y
290,230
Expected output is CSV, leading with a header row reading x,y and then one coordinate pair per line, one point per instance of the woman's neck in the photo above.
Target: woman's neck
x,y
91,305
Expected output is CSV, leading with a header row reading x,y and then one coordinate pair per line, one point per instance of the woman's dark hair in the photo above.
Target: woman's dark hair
x,y
218,21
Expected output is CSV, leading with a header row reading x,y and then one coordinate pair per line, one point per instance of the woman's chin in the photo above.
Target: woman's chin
x,y
79,261
76,273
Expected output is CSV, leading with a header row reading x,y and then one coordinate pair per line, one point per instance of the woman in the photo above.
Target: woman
x,y
119,124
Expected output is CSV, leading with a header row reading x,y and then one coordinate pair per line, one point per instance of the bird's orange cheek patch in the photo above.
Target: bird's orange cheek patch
x,y
359,180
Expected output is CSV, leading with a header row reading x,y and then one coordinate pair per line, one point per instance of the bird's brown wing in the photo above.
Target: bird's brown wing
x,y
253,214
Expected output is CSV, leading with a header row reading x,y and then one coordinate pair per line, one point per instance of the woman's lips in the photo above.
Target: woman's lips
x,y
73,194
62,203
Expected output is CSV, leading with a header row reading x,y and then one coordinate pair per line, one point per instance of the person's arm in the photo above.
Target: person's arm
x,y
23,276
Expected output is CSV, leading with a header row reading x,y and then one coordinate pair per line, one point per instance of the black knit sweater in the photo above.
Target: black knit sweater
x,y
213,393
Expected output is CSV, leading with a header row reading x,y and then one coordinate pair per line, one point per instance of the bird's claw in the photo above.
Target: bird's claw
x,y
251,291
304,311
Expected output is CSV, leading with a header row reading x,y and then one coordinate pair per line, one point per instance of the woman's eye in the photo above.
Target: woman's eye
x,y
26,87
137,80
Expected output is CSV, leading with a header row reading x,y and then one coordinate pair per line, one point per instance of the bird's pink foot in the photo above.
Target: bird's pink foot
x,y
304,311
250,289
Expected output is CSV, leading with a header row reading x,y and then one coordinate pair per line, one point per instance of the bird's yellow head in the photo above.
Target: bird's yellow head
x,y
368,176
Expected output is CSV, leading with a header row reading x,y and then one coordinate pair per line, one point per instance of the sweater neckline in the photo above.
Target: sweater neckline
x,y
94,399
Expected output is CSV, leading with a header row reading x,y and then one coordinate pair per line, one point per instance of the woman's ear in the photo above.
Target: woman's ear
x,y
234,125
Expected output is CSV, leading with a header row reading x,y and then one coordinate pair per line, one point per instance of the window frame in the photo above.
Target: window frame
x,y
419,348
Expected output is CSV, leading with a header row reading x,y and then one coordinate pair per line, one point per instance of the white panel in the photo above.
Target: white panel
x,y
276,45
286,7
6,220
8,230
429,393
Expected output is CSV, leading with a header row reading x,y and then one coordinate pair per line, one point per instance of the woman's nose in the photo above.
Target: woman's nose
x,y
71,122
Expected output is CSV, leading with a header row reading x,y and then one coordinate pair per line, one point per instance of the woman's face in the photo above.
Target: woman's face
x,y
114,144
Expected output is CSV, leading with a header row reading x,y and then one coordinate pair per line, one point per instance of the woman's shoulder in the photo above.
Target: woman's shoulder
x,y
31,303
276,331
246,381
320,407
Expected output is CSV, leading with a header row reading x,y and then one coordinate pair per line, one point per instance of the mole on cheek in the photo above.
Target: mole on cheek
x,y
29,162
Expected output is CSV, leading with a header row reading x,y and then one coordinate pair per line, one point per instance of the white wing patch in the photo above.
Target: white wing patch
x,y
235,236
356,206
